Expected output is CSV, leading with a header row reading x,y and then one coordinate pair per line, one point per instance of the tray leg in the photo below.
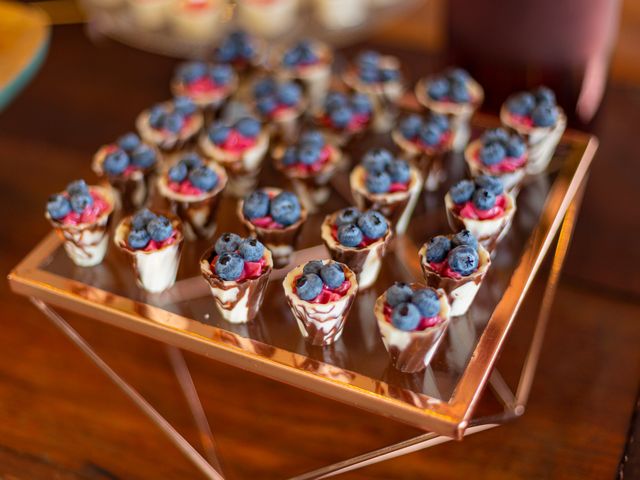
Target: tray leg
x,y
178,440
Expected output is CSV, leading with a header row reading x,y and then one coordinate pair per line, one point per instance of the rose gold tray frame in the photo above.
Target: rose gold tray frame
x,y
443,419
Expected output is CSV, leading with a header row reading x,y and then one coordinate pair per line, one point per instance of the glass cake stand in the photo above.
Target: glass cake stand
x,y
448,400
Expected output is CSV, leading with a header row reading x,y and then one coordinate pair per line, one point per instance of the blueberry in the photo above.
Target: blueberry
x,y
464,237
178,172
308,154
334,100
227,242
544,115
399,171
438,248
157,113
368,58
377,160
218,133
440,120
138,239
410,126
191,71
341,116
81,201
221,74
430,134
516,147
458,75
369,74
116,162
308,286
266,105
484,199
143,156
184,106
77,186
129,141
313,137
173,122
398,293
58,206
314,266
491,183
227,52
373,224
229,266
545,95
248,127
389,74
492,153
462,191
285,208
349,235
290,156
141,219
459,92
203,178
192,160
289,94
332,275
347,215
495,135
405,316
427,301
291,57
251,249
521,103
378,182
464,260
159,228
256,205
265,87
438,88
361,104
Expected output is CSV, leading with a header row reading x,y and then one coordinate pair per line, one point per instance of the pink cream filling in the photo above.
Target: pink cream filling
x,y
315,167
327,294
524,120
237,143
251,271
89,214
444,270
358,122
185,187
203,85
366,241
425,322
152,246
469,210
506,165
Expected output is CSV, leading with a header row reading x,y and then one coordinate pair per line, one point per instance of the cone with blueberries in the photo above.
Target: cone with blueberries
x,y
153,242
280,103
206,85
457,264
344,116
237,270
320,294
359,240
309,62
412,320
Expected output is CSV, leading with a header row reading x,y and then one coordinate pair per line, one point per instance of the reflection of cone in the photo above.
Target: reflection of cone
x,y
320,323
541,141
460,292
365,262
397,207
155,269
411,352
510,180
238,302
86,243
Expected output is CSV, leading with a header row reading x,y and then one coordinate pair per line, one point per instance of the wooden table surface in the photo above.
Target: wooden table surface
x,y
62,419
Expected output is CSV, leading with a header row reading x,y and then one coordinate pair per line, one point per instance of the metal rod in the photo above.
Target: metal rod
x,y
178,440
188,388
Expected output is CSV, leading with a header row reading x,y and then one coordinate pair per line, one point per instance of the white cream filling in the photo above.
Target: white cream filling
x,y
267,18
157,270
239,313
337,14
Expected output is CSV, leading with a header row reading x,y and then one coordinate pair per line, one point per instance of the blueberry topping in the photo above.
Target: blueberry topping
x,y
80,202
178,172
308,286
115,163
458,75
410,126
157,114
368,58
291,58
349,235
465,237
430,134
493,184
76,187
378,182
335,100
427,301
229,266
377,160
289,94
184,106
138,239
173,122
314,266
389,74
248,127
405,316
143,156
492,153
464,260
313,137
521,103
438,89
192,160
203,178
440,120
544,115
251,249
221,74
516,147
308,154
459,92
256,205
373,224
285,208
159,228
495,135
341,116
129,141
218,133
58,206
236,46
141,219
290,156
191,71
332,275
347,215
361,103
265,87
545,95
438,248
399,293
266,105
227,242
484,199
462,191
